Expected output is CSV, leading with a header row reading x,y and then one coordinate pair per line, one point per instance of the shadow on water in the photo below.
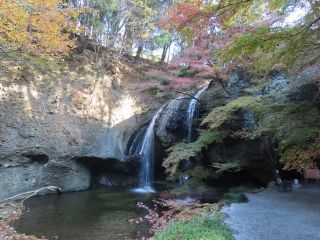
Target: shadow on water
x,y
96,214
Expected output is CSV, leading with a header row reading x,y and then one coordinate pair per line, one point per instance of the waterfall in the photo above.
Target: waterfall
x,y
193,106
136,144
147,157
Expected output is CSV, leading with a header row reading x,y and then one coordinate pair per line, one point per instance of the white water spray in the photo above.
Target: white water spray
x,y
193,106
147,157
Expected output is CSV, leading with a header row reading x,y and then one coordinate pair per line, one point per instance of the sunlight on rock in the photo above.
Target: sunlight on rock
x,y
126,109
27,102
34,93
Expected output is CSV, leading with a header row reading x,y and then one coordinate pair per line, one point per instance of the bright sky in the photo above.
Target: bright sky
x,y
297,14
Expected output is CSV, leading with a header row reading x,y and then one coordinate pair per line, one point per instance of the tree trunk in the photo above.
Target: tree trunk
x,y
166,47
164,53
139,51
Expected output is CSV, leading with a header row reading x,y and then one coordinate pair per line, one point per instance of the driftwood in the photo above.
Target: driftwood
x,y
26,195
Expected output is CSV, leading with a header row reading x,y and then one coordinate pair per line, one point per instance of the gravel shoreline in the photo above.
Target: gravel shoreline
x,y
10,211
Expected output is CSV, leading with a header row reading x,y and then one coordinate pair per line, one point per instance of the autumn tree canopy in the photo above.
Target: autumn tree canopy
x,y
264,34
50,27
36,27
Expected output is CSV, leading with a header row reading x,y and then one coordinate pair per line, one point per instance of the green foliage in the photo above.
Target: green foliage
x,y
272,49
303,125
105,6
182,151
178,153
159,39
224,114
200,228
163,38
124,25
153,91
227,167
236,195
295,125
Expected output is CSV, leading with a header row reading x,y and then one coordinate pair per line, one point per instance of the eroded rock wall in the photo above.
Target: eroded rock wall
x,y
257,156
80,108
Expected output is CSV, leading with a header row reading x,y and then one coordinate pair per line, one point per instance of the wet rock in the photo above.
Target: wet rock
x,y
249,121
135,142
214,96
255,157
239,79
133,158
278,83
170,127
306,92
113,142
186,165
220,93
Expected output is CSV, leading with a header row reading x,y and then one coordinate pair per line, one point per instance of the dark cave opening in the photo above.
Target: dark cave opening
x,y
109,171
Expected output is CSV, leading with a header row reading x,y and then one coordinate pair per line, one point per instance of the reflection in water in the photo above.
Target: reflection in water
x,y
97,214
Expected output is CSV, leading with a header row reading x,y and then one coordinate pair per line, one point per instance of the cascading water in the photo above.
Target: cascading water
x,y
136,144
147,157
193,107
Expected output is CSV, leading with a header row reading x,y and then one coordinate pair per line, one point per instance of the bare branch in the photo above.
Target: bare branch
x,y
26,195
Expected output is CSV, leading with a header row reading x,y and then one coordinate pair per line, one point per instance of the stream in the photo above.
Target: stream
x,y
96,214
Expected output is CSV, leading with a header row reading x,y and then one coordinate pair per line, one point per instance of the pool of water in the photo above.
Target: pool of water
x,y
95,214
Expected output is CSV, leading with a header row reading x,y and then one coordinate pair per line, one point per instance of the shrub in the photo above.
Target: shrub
x,y
182,151
188,72
153,91
164,82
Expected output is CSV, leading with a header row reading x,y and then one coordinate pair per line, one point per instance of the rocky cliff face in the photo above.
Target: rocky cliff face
x,y
249,142
74,125
251,127
50,117
171,126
